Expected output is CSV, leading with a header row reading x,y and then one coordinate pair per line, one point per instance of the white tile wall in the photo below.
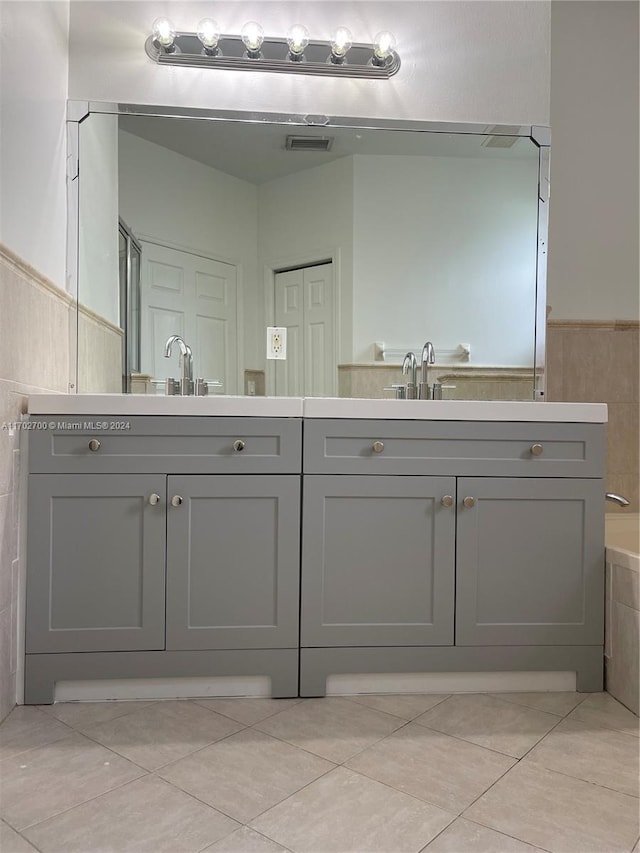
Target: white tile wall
x,y
34,357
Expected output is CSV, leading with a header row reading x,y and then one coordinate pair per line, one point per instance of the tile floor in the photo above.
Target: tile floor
x,y
369,774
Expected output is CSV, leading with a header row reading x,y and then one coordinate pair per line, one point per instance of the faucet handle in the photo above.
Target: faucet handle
x,y
186,386
172,387
400,390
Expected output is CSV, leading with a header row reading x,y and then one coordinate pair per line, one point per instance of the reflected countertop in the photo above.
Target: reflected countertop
x,y
315,407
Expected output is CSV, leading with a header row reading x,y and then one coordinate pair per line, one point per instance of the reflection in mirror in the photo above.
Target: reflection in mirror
x,y
129,256
360,243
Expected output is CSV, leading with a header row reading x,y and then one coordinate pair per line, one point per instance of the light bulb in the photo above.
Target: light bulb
x,y
208,32
340,44
383,45
297,39
252,36
163,32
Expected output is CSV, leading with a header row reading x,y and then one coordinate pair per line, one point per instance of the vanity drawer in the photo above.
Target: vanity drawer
x,y
476,448
167,444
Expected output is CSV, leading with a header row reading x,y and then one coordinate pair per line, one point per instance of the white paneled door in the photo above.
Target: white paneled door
x,y
304,305
194,297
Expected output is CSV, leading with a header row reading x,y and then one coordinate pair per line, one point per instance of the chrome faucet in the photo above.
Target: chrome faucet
x,y
425,392
410,366
184,386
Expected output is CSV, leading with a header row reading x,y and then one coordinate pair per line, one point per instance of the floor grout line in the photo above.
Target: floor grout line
x,y
541,710
580,779
240,698
318,755
77,805
354,698
25,839
480,746
173,761
498,831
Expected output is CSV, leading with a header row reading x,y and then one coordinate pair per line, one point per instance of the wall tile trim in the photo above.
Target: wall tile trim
x,y
31,273
615,325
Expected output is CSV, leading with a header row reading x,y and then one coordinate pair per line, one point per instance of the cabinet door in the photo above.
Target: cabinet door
x,y
96,563
233,549
530,562
377,561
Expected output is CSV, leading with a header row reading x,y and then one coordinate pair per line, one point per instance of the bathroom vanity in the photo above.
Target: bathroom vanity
x,y
300,539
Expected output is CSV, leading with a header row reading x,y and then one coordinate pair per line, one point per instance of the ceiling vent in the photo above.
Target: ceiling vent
x,y
501,141
309,143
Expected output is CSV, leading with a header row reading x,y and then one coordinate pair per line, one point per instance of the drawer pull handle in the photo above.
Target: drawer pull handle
x,y
238,445
377,446
447,500
537,450
94,445
176,500
469,502
154,499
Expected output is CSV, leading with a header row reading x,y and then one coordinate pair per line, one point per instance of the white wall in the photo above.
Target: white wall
x,y
34,316
470,61
306,217
445,250
593,239
98,261
414,233
188,205
33,75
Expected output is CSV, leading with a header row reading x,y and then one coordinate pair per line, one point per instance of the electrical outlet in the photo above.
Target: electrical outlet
x,y
276,342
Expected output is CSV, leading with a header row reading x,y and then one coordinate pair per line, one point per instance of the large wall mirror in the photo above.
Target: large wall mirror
x,y
362,239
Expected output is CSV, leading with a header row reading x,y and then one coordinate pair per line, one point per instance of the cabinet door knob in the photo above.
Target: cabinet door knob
x,y
238,445
469,502
94,445
447,500
176,500
154,499
377,446
537,449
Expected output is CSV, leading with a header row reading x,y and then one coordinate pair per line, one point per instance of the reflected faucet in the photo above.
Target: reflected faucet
x,y
185,385
425,392
410,366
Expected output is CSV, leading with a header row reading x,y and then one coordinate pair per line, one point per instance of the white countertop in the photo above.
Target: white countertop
x,y
152,404
454,410
316,407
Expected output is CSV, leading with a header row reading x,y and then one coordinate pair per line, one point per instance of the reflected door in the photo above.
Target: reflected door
x,y
304,305
194,297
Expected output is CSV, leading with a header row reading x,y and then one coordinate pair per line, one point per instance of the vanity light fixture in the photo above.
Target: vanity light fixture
x,y
209,35
341,45
251,50
163,34
384,45
252,36
297,39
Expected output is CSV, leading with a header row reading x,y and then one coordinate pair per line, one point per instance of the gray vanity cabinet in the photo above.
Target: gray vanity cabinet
x,y
233,552
377,561
96,577
508,575
163,547
529,561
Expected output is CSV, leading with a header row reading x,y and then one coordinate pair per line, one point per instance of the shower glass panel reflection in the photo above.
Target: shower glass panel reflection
x,y
129,273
